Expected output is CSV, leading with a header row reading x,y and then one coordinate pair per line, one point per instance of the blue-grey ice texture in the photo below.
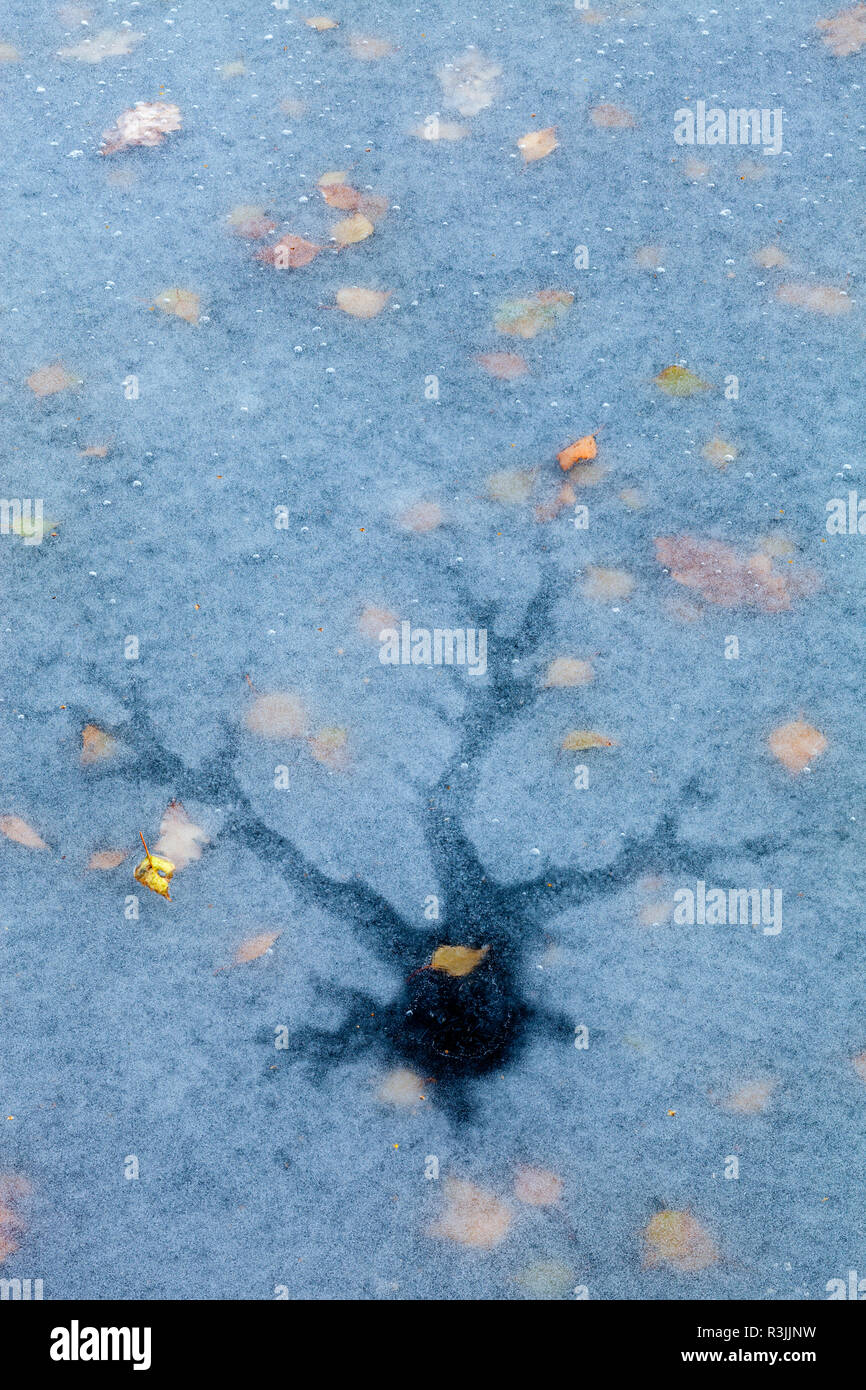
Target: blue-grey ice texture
x,y
118,1037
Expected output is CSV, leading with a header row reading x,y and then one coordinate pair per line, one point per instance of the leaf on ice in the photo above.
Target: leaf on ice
x,y
401,1087
567,671
352,230
250,221
108,43
320,23
844,33
14,828
106,859
373,621
584,448
9,53
277,716
606,585
532,314
330,747
255,946
511,486
435,129
183,304
679,381
289,253
578,740
537,1187
721,576
505,366
752,1098
770,257
146,123
536,144
420,517
361,303
341,196
96,745
611,117
817,299
180,839
719,452
797,744
47,381
471,1216
368,49
457,960
677,1239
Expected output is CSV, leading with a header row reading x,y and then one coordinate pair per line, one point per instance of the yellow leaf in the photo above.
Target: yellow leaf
x,y
360,303
677,1239
96,745
471,1216
255,946
576,740
457,960
14,828
352,229
184,304
538,143
679,381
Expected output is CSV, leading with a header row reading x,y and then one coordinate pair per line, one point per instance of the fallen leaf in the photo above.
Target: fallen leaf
x,y
770,257
360,303
374,621
844,33
677,1239
584,448
817,299
146,123
610,117
719,452
795,745
250,220
549,511
352,230
567,671
679,381
95,451
96,745
511,485
722,577
752,1098
401,1087
469,83
533,314
331,748
472,1216
536,1187
320,23
505,366
255,946
578,740
369,49
108,43
289,253
341,196
859,1065
277,716
421,517
457,960
107,859
47,381
183,304
180,839
373,206
537,144
606,585
14,828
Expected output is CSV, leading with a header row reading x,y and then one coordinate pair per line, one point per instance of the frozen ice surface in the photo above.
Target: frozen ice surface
x,y
261,1166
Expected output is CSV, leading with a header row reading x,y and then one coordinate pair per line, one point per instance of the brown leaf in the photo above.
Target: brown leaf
x,y
537,144
14,828
96,745
817,299
506,366
360,303
277,716
795,745
289,253
47,381
471,1216
183,304
255,946
677,1239
107,858
722,577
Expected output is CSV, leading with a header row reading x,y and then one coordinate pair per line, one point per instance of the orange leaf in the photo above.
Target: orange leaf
x,y
538,143
584,448
255,946
14,828
796,744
